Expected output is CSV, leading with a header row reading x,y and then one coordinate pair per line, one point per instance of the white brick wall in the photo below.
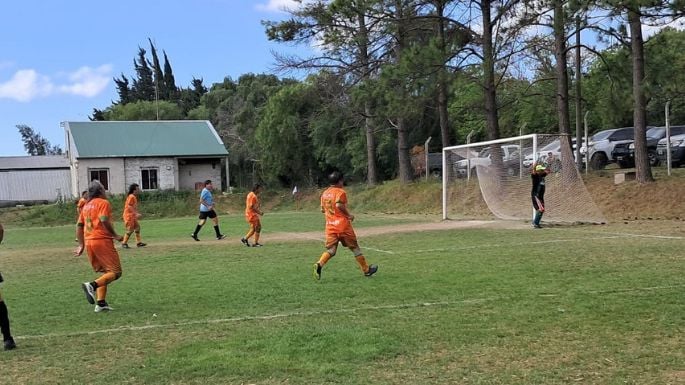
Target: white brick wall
x,y
166,171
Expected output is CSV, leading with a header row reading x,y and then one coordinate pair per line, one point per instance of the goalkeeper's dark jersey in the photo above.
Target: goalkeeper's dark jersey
x,y
538,184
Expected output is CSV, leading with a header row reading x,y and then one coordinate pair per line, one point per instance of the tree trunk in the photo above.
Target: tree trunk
x,y
442,83
491,117
363,38
372,175
404,166
643,169
561,68
579,107
405,169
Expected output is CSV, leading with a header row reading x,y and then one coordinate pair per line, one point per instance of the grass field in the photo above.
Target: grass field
x,y
482,305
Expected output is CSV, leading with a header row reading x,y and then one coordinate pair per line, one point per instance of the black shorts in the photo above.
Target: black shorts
x,y
207,214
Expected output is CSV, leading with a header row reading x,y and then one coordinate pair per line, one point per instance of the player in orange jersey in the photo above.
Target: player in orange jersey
x,y
339,226
79,205
252,213
7,339
96,235
131,216
81,202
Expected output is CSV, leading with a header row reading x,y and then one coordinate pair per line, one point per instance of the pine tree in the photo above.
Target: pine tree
x,y
143,86
169,81
158,77
123,89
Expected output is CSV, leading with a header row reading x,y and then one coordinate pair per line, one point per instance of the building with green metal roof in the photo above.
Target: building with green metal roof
x,y
157,155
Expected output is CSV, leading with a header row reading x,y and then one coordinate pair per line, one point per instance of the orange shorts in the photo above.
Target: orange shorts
x,y
252,219
103,256
131,224
348,239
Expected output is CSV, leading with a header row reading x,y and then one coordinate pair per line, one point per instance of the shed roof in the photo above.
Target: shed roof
x,y
145,138
33,162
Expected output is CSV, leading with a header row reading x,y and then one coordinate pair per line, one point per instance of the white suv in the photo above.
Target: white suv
x,y
602,144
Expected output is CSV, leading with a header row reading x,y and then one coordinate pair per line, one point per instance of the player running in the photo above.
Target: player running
x,y
96,235
339,226
252,214
131,217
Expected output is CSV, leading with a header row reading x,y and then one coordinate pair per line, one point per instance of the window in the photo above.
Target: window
x,y
101,175
148,177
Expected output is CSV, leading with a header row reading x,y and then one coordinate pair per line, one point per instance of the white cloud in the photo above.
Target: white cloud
x,y
277,6
27,84
88,81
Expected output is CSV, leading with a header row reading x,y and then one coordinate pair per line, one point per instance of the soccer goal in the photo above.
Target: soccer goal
x,y
501,170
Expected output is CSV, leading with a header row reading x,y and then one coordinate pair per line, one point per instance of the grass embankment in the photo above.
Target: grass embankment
x,y
626,201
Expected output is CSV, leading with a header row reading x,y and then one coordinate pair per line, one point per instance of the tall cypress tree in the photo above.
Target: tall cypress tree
x,y
143,86
172,93
123,89
158,76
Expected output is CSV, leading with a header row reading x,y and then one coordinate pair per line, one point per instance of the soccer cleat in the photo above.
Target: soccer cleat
x,y
141,244
317,271
372,270
9,344
102,308
220,237
245,242
125,246
195,237
90,292
257,245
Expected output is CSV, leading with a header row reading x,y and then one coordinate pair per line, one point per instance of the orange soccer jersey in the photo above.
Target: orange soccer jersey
x,y
92,215
251,207
79,206
336,221
130,208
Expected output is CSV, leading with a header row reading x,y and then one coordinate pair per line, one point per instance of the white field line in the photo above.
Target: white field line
x,y
261,317
494,245
631,235
325,312
378,250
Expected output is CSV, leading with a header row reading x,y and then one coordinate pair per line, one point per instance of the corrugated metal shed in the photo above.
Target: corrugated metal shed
x,y
33,162
34,178
145,138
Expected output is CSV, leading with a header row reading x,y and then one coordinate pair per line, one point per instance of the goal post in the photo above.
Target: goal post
x,y
501,171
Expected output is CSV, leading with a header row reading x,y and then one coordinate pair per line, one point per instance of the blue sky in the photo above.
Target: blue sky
x,y
58,57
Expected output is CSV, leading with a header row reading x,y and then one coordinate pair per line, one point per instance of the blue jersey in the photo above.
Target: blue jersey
x,y
206,196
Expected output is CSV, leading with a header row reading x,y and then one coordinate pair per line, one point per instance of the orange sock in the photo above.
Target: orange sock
x,y
249,233
126,237
101,292
362,263
324,258
102,282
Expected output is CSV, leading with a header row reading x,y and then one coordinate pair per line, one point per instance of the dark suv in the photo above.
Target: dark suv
x,y
624,153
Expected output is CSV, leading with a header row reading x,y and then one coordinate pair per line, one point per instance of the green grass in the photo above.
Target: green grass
x,y
590,305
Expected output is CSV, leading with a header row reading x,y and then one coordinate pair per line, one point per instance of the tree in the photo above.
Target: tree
x,y
35,144
347,31
655,12
143,87
144,110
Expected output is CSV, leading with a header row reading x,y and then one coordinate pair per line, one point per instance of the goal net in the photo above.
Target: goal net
x,y
500,169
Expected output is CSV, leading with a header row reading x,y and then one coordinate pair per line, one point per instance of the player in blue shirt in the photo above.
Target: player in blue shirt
x,y
207,211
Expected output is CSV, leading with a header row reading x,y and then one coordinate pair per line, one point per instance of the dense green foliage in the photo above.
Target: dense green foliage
x,y
374,90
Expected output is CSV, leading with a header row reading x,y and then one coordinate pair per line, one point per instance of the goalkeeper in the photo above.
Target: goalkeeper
x,y
537,194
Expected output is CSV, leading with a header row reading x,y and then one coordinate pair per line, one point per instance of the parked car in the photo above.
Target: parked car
x,y
677,150
483,157
624,153
602,144
555,148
